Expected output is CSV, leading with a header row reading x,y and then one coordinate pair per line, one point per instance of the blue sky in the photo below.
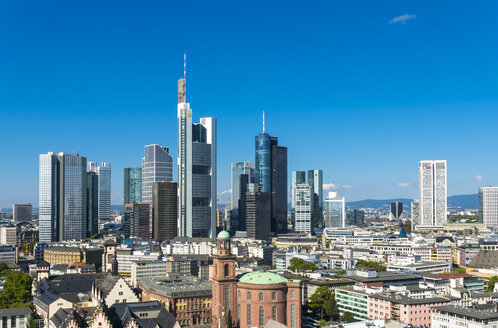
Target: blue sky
x,y
360,89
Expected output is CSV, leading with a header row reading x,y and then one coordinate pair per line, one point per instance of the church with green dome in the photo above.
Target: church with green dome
x,y
253,298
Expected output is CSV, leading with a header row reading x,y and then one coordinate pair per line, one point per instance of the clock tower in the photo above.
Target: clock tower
x,y
224,283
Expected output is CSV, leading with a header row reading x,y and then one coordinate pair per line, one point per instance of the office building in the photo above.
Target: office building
x,y
147,269
396,210
62,197
355,218
297,177
196,171
271,176
414,212
92,193
157,166
137,220
488,206
315,180
455,316
22,212
303,194
132,185
164,210
104,188
432,193
8,234
258,215
243,173
335,211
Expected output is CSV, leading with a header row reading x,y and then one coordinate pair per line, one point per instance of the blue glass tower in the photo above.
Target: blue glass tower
x,y
263,162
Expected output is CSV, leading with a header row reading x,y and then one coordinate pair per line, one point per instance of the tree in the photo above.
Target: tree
x,y
297,264
371,265
408,227
491,283
454,271
31,322
229,320
347,317
342,272
16,290
323,303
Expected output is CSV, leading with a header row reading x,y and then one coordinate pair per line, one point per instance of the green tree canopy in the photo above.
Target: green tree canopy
x,y
323,303
370,265
297,264
16,290
491,283
347,317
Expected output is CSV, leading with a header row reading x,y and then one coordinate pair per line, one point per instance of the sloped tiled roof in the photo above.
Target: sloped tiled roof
x,y
485,260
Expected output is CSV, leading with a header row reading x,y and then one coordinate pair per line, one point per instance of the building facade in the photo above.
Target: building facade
x,y
297,177
157,165
302,195
258,215
62,197
488,206
196,171
136,220
164,210
22,212
92,196
335,211
432,193
315,180
132,185
396,210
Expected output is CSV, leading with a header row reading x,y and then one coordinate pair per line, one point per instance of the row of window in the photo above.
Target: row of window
x,y
261,295
261,316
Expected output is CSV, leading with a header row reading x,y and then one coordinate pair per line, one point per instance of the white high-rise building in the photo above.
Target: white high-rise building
x,y
432,193
196,171
414,212
335,211
104,188
488,206
303,208
238,169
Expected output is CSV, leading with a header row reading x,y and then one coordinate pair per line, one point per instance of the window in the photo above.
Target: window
x,y
248,295
238,293
261,316
120,293
293,294
260,296
227,298
238,311
227,271
248,314
293,316
274,296
274,313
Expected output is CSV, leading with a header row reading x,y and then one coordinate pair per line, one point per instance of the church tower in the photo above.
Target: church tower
x,y
224,283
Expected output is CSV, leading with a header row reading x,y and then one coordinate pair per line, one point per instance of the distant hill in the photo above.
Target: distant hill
x,y
458,201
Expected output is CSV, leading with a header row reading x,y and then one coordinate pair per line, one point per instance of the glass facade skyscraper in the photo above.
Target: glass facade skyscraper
x,y
335,211
432,193
63,197
488,206
92,204
263,148
157,166
104,189
132,185
303,208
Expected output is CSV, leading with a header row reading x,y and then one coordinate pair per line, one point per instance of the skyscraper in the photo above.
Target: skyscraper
x,y
62,197
22,212
303,195
157,165
396,210
165,210
415,212
238,169
136,220
315,180
335,211
488,206
104,188
258,215
432,193
196,171
271,176
132,185
92,196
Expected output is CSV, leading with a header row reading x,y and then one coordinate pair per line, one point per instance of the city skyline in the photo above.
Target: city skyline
x,y
404,86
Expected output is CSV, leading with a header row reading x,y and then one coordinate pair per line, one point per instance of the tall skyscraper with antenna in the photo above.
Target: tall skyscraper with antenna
x,y
271,176
196,169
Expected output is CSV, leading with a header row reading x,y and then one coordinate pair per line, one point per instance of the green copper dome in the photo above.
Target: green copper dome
x,y
223,235
262,278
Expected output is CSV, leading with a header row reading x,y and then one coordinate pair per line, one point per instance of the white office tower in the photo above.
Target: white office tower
x,y
62,197
157,166
335,211
297,177
104,188
414,214
432,193
239,169
196,171
303,203
488,206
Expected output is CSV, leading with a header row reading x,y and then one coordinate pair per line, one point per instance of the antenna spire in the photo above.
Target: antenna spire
x,y
185,65
263,121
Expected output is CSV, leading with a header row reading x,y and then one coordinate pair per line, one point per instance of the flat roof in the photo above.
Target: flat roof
x,y
469,312
184,286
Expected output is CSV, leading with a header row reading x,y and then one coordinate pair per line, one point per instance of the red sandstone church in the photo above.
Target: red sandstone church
x,y
254,298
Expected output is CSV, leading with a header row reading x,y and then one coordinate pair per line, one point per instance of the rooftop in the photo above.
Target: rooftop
x,y
177,286
468,312
262,278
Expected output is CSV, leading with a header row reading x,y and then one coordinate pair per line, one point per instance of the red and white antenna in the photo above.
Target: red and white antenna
x,y
185,65
263,121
